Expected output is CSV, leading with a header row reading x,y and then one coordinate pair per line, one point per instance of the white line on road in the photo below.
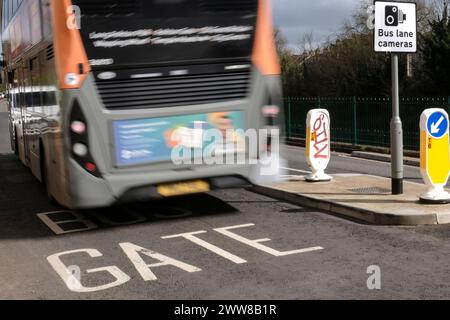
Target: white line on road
x,y
191,237
257,243
347,175
296,170
55,226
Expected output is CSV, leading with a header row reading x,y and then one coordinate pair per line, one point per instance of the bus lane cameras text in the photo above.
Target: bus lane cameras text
x,y
71,275
391,35
397,34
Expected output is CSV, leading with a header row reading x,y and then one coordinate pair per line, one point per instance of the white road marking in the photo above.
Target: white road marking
x,y
348,175
74,283
191,237
296,170
55,226
257,243
134,254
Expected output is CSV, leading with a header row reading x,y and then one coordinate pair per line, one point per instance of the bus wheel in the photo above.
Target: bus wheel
x,y
20,156
45,175
16,144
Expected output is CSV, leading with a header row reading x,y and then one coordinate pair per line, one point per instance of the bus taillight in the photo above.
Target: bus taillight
x,y
271,111
80,150
91,167
78,127
79,141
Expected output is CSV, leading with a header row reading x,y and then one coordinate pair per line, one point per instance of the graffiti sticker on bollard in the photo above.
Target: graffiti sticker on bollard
x,y
318,144
435,155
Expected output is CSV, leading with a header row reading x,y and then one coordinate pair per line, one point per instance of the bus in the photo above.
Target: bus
x,y
97,88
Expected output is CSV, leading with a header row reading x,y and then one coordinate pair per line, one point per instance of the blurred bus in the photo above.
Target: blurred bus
x,y
97,88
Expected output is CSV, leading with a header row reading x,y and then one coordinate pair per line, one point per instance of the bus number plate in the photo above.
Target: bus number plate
x,y
182,188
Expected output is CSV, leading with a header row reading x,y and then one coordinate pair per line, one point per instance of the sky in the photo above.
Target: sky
x,y
323,18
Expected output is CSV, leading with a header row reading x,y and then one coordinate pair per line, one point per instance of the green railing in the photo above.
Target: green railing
x,y
362,121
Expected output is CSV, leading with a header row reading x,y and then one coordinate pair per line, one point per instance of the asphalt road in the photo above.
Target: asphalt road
x,y
310,255
344,163
414,262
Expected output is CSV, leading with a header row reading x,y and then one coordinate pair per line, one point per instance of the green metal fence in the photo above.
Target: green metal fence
x,y
362,121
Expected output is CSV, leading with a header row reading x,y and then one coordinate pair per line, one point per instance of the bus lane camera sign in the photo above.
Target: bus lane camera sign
x,y
395,27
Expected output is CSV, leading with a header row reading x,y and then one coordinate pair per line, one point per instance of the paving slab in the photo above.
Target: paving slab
x,y
362,197
3,105
5,145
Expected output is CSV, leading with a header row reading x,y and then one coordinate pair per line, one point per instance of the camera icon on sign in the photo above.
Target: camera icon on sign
x,y
394,16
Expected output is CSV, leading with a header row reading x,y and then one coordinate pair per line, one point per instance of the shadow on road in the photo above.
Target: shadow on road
x,y
22,197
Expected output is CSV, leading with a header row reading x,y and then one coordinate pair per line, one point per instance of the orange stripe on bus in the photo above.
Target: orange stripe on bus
x,y
68,45
265,55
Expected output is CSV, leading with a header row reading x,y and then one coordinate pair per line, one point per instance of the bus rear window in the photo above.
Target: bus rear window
x,y
166,31
162,8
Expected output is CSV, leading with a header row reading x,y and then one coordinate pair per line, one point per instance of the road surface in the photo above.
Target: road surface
x,y
212,246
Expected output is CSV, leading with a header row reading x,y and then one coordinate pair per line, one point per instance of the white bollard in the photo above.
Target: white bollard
x,y
318,144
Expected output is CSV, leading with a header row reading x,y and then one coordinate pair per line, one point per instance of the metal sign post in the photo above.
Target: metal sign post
x,y
396,32
396,132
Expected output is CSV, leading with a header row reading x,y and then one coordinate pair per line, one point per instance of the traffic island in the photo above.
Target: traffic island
x,y
362,197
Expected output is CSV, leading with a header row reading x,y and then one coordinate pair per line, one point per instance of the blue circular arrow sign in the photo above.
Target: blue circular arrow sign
x,y
437,125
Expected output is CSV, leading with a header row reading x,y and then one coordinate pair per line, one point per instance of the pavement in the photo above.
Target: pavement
x,y
3,106
362,197
5,146
373,204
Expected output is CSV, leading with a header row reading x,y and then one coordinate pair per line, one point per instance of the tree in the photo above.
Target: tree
x,y
348,66
436,56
